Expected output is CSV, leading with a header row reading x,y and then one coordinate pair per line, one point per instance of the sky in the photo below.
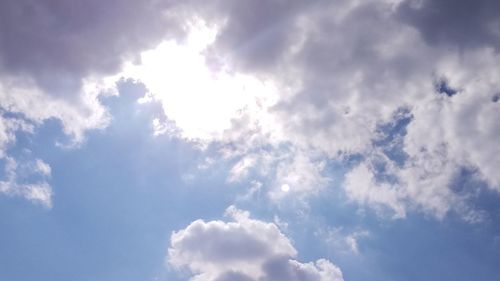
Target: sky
x,y
249,140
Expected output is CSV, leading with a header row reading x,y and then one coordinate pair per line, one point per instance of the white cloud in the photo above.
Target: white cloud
x,y
287,173
241,168
8,128
31,107
360,186
42,168
23,97
38,190
302,175
13,183
339,240
243,249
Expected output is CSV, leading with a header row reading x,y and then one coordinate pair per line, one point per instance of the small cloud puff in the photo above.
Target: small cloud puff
x,y
37,190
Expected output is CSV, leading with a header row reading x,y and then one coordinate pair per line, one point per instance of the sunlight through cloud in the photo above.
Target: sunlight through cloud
x,y
285,187
201,101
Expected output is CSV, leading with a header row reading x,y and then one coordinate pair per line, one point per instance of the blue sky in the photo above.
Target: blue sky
x,y
249,141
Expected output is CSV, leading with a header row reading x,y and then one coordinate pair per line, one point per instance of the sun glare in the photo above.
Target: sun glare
x,y
199,100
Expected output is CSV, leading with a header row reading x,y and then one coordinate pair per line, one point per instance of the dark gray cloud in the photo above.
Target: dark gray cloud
x,y
281,268
233,276
462,23
256,34
57,43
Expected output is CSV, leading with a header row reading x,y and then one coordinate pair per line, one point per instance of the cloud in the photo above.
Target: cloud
x,y
321,78
28,180
58,43
54,55
340,240
8,128
463,23
23,108
300,174
24,178
361,186
344,69
243,249
55,58
252,35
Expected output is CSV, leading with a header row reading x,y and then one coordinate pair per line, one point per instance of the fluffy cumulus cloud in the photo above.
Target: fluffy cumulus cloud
x,y
243,249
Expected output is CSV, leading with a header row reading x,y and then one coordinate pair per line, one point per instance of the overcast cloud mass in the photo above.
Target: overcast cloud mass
x,y
326,132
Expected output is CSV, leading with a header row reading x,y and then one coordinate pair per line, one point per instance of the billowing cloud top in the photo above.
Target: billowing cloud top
x,y
245,250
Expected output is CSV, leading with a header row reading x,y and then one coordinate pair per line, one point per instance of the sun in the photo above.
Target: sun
x,y
200,100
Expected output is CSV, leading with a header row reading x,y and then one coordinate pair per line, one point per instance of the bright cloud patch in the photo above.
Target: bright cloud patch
x,y
243,249
201,99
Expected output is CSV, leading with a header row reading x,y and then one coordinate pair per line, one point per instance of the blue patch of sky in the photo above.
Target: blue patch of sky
x,y
390,136
442,87
495,97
